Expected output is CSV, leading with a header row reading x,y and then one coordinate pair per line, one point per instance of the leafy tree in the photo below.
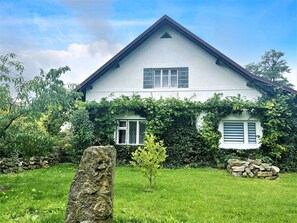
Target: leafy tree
x,y
28,108
272,67
30,99
149,158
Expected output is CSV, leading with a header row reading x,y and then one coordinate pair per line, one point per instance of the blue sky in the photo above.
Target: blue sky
x,y
85,34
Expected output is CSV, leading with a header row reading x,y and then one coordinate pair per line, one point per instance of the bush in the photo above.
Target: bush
x,y
82,134
288,161
124,154
26,139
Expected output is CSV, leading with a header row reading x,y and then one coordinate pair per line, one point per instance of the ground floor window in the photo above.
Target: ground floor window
x,y
130,132
240,132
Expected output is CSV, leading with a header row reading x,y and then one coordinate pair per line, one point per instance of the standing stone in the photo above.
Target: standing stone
x,y
91,193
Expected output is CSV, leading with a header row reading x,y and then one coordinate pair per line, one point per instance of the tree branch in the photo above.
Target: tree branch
x,y
11,121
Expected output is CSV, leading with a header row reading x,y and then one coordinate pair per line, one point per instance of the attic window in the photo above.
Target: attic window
x,y
166,36
166,77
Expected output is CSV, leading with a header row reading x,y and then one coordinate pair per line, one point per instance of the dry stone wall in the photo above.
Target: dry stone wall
x,y
10,165
252,168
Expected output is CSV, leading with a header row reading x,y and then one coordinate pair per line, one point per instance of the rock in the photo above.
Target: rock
x,y
266,166
237,174
264,174
251,174
247,170
275,170
256,166
257,162
237,168
234,162
252,168
91,193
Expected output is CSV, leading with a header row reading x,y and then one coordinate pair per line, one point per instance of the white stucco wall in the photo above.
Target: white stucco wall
x,y
205,76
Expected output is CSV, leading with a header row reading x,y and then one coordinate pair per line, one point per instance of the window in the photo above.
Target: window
x,y
165,77
130,132
236,133
240,131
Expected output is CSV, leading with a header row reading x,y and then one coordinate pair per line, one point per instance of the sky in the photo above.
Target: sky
x,y
84,34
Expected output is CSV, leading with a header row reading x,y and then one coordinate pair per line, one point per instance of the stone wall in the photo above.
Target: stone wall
x,y
10,165
252,168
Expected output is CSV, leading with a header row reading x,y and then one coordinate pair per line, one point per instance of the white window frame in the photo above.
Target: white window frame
x,y
169,77
245,119
126,128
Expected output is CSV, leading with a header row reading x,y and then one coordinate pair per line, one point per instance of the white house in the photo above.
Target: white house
x,y
167,60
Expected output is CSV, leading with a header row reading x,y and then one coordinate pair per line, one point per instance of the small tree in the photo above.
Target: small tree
x,y
149,158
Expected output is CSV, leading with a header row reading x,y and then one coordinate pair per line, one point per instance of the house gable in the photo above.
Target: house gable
x,y
209,70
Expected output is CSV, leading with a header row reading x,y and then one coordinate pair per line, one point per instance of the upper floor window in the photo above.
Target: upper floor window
x,y
166,77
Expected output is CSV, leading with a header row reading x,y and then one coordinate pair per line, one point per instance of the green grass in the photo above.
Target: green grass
x,y
183,195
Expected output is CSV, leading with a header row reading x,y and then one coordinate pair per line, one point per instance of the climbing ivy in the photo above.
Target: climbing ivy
x,y
174,121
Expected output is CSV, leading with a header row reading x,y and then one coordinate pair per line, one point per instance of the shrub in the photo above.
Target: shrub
x,y
82,136
26,139
149,158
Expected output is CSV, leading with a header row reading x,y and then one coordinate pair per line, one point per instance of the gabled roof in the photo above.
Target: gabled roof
x,y
166,20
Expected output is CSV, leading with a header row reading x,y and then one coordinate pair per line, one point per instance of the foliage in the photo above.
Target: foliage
x,y
41,99
174,121
149,158
185,147
272,67
27,139
124,154
103,118
82,131
278,117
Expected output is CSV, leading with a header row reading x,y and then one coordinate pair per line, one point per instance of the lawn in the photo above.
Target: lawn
x,y
182,195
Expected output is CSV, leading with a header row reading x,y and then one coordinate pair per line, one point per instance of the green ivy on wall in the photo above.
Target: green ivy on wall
x,y
174,121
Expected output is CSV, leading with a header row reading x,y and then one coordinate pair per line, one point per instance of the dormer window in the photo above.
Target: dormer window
x,y
166,77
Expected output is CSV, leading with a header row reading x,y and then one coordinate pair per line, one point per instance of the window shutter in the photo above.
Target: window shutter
x,y
148,78
183,77
233,132
252,132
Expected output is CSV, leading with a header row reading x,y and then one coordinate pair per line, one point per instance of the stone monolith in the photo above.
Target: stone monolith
x,y
91,192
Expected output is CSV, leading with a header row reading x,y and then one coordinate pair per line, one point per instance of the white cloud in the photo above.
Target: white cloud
x,y
83,59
